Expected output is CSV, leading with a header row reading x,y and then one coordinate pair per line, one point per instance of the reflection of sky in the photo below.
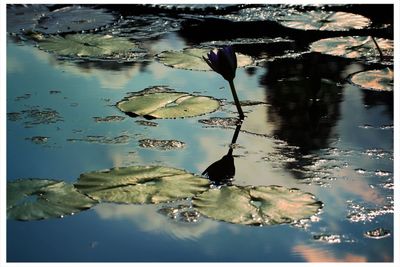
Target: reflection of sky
x,y
86,94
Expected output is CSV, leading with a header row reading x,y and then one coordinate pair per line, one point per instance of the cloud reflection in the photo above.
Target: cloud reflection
x,y
147,219
311,254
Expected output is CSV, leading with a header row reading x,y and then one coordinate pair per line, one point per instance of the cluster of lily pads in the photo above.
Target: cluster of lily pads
x,y
36,199
57,32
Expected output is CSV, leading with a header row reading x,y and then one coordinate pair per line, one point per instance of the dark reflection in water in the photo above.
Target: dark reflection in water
x,y
372,98
223,171
305,100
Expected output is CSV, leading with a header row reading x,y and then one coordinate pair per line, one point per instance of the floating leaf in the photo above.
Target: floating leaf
x,y
324,21
36,199
262,205
144,26
74,19
166,105
88,45
191,59
24,18
378,80
141,184
354,47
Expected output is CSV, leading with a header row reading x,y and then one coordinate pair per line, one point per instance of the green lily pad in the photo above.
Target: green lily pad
x,y
167,105
354,47
324,21
377,80
36,199
192,59
261,205
74,18
89,45
141,184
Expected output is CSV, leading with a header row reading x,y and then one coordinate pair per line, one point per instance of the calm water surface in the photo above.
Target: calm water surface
x,y
340,149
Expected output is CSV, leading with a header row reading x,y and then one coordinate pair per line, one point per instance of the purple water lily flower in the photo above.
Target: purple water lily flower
x,y
223,61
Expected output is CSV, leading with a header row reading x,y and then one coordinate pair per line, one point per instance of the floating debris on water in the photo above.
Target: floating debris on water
x,y
24,96
326,238
377,233
382,173
376,153
147,123
181,212
54,92
122,139
220,121
161,144
38,139
35,116
360,213
109,119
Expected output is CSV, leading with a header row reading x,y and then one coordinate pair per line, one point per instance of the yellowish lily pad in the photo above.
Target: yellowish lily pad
x,y
377,80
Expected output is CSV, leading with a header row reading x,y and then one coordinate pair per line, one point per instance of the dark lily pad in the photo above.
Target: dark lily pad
x,y
24,18
354,47
91,46
262,205
35,116
36,199
74,19
141,184
167,105
109,119
191,59
324,21
377,80
144,26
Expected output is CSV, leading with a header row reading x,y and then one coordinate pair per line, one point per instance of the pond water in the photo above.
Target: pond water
x,y
337,146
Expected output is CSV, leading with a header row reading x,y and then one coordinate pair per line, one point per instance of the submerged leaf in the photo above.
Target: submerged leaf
x,y
74,19
141,184
191,59
377,80
324,21
354,47
166,105
87,45
261,205
36,199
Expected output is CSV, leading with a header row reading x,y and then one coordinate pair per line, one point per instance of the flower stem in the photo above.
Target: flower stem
x,y
235,97
377,46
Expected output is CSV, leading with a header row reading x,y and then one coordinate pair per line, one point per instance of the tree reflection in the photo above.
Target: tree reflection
x,y
223,171
304,100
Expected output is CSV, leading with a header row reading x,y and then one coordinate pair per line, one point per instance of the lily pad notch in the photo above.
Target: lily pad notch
x,y
167,105
261,205
38,199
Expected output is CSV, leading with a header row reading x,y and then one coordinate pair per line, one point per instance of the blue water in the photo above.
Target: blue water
x,y
110,232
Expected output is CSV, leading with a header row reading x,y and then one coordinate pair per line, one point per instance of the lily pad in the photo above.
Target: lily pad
x,y
74,19
191,59
167,105
377,80
262,205
141,184
89,45
354,47
24,18
36,199
161,144
324,21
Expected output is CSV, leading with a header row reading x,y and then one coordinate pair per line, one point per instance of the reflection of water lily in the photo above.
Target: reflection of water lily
x,y
224,62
